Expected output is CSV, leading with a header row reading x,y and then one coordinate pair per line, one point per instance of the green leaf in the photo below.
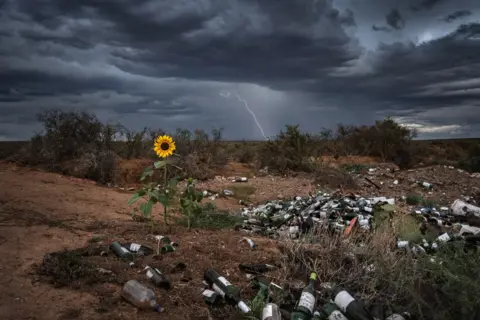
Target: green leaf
x,y
163,199
146,209
136,196
148,172
154,195
159,164
173,182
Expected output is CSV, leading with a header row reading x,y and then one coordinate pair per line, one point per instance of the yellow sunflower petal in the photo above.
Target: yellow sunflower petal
x,y
164,146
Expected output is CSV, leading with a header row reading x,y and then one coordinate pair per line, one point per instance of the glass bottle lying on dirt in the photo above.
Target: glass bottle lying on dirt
x,y
211,297
138,249
123,253
230,293
256,267
158,278
140,296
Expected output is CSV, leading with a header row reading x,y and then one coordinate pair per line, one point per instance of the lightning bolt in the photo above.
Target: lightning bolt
x,y
227,94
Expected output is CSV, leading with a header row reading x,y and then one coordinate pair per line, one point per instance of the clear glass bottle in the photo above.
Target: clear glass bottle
x,y
271,312
140,296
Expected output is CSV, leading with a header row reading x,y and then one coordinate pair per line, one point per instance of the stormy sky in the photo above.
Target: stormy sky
x,y
217,63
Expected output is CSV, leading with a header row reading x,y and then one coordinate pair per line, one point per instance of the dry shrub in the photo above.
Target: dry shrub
x,y
198,166
200,154
334,178
370,268
244,152
74,143
96,165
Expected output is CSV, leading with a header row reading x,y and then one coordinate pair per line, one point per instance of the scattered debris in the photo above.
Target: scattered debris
x,y
461,208
249,241
230,293
291,218
158,278
256,268
140,296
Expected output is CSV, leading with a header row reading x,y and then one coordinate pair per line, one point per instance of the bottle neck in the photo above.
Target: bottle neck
x,y
156,306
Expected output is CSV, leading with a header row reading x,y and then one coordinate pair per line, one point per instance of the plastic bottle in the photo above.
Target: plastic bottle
x,y
140,296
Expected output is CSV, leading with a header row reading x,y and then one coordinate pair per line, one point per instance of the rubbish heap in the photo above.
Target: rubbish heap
x,y
292,218
335,213
452,223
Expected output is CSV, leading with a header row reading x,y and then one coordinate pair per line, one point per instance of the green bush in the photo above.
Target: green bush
x,y
289,151
74,143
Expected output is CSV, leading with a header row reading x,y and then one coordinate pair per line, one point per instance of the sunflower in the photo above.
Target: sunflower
x,y
164,146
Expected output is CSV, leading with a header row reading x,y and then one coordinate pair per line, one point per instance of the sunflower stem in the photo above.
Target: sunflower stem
x,y
165,188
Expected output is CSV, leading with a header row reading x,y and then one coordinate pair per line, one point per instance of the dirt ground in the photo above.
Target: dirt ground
x,y
41,213
44,212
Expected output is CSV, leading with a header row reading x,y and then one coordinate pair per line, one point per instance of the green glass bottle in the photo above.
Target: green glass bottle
x,y
230,293
348,305
167,248
158,278
261,297
306,304
330,311
211,297
256,268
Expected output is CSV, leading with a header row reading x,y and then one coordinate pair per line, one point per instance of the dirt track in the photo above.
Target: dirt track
x,y
43,212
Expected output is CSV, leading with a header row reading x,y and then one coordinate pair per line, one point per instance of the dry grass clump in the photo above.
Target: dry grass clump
x,y
374,271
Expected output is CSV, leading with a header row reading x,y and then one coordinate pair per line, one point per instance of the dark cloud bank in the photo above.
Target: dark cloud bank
x,y
313,62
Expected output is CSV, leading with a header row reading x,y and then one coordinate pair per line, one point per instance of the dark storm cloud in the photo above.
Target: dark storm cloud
x,y
425,4
346,18
394,19
381,28
457,15
147,61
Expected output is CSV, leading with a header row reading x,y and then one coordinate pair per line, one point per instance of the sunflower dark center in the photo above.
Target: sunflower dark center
x,y
164,146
